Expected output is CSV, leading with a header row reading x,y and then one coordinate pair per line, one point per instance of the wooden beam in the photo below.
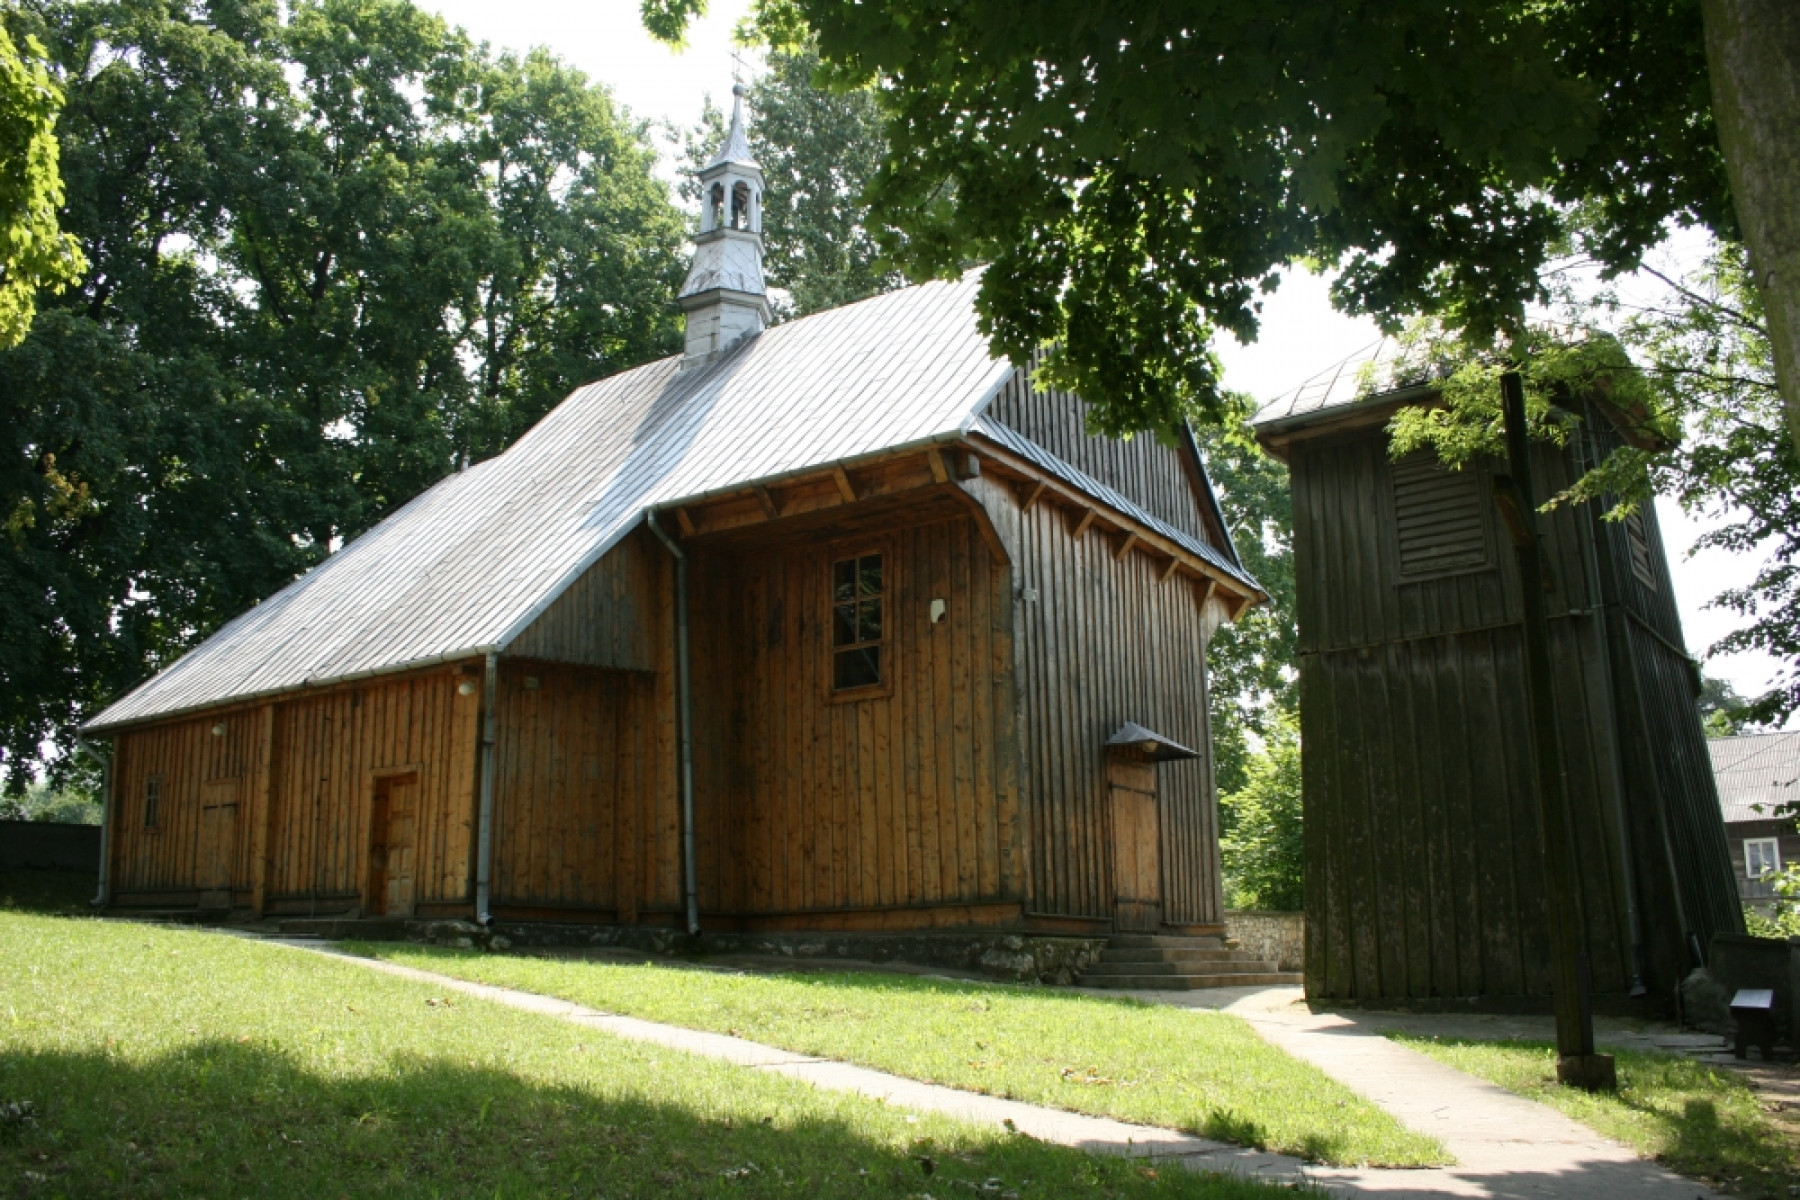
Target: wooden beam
x,y
685,522
1124,547
1208,585
935,457
1036,494
845,488
767,501
1019,468
1169,571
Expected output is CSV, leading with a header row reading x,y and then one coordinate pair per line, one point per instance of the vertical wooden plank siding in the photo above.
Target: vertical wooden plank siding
x,y
813,804
571,743
1142,468
305,767
1101,641
607,617
1424,873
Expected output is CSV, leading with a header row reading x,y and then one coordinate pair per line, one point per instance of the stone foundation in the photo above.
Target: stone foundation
x,y
1277,937
1017,957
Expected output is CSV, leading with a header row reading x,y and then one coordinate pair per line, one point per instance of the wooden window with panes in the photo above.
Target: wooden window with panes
x,y
152,800
858,627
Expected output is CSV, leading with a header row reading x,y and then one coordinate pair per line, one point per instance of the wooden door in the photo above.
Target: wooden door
x,y
218,841
1137,843
391,846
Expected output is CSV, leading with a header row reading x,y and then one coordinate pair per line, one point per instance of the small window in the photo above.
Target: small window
x,y
152,800
1762,856
857,590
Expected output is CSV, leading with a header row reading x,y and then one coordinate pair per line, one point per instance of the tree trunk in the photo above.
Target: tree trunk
x,y
1753,57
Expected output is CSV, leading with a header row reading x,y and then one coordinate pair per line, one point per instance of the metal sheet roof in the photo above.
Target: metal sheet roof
x,y
466,566
1361,376
1756,772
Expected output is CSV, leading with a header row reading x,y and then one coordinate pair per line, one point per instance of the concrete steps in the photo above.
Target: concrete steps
x,y
1159,962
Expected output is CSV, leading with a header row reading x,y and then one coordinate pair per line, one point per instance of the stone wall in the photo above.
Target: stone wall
x,y
1278,937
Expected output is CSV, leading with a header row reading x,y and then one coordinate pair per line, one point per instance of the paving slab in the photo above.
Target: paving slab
x,y
1507,1148
1505,1145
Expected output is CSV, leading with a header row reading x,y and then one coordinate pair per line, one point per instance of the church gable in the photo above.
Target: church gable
x,y
1169,484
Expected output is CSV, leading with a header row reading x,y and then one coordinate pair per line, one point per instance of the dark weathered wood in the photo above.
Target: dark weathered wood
x,y
1422,872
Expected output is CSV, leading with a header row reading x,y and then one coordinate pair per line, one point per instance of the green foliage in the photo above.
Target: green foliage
x,y
332,257
1693,381
1783,918
44,802
1208,1073
160,1062
1137,173
1721,708
1700,1120
818,147
1264,852
35,255
1250,664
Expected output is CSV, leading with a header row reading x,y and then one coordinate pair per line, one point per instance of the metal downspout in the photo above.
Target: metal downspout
x,y
684,708
1600,600
484,852
101,898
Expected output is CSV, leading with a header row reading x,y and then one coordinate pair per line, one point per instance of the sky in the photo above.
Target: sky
x,y
1301,335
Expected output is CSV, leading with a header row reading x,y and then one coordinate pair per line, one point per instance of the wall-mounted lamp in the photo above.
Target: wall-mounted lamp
x,y
937,611
219,729
466,688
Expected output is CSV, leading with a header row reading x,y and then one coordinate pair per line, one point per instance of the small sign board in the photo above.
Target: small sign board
x,y
1753,998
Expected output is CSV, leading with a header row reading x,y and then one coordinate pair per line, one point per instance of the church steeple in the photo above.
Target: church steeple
x,y
724,297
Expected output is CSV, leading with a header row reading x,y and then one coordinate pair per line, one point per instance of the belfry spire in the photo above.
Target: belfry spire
x,y
725,298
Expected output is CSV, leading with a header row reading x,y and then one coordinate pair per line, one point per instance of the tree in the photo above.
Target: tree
x,y
1720,706
35,255
1692,378
818,149
1264,852
1251,662
1137,172
334,256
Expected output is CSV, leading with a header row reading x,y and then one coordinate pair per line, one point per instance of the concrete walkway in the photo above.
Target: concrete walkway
x,y
1505,1147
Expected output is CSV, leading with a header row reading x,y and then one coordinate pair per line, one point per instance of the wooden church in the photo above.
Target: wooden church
x,y
838,624
1424,868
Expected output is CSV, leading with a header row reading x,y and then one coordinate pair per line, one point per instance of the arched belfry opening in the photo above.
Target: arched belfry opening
x,y
725,298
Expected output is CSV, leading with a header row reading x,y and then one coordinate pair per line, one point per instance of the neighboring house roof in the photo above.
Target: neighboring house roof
x,y
466,566
1756,772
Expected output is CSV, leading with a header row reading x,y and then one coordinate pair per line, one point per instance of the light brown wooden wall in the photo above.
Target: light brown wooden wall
x,y
1164,480
610,617
906,801
577,764
164,861
327,752
1103,642
619,615
306,768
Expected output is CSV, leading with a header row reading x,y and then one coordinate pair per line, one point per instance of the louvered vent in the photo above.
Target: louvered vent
x,y
1439,519
1641,566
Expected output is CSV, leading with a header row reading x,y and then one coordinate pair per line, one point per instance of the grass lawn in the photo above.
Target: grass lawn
x,y
1203,1072
139,1061
1694,1119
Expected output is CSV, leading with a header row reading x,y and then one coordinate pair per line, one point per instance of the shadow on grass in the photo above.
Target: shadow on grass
x,y
1692,1117
50,893
231,1119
